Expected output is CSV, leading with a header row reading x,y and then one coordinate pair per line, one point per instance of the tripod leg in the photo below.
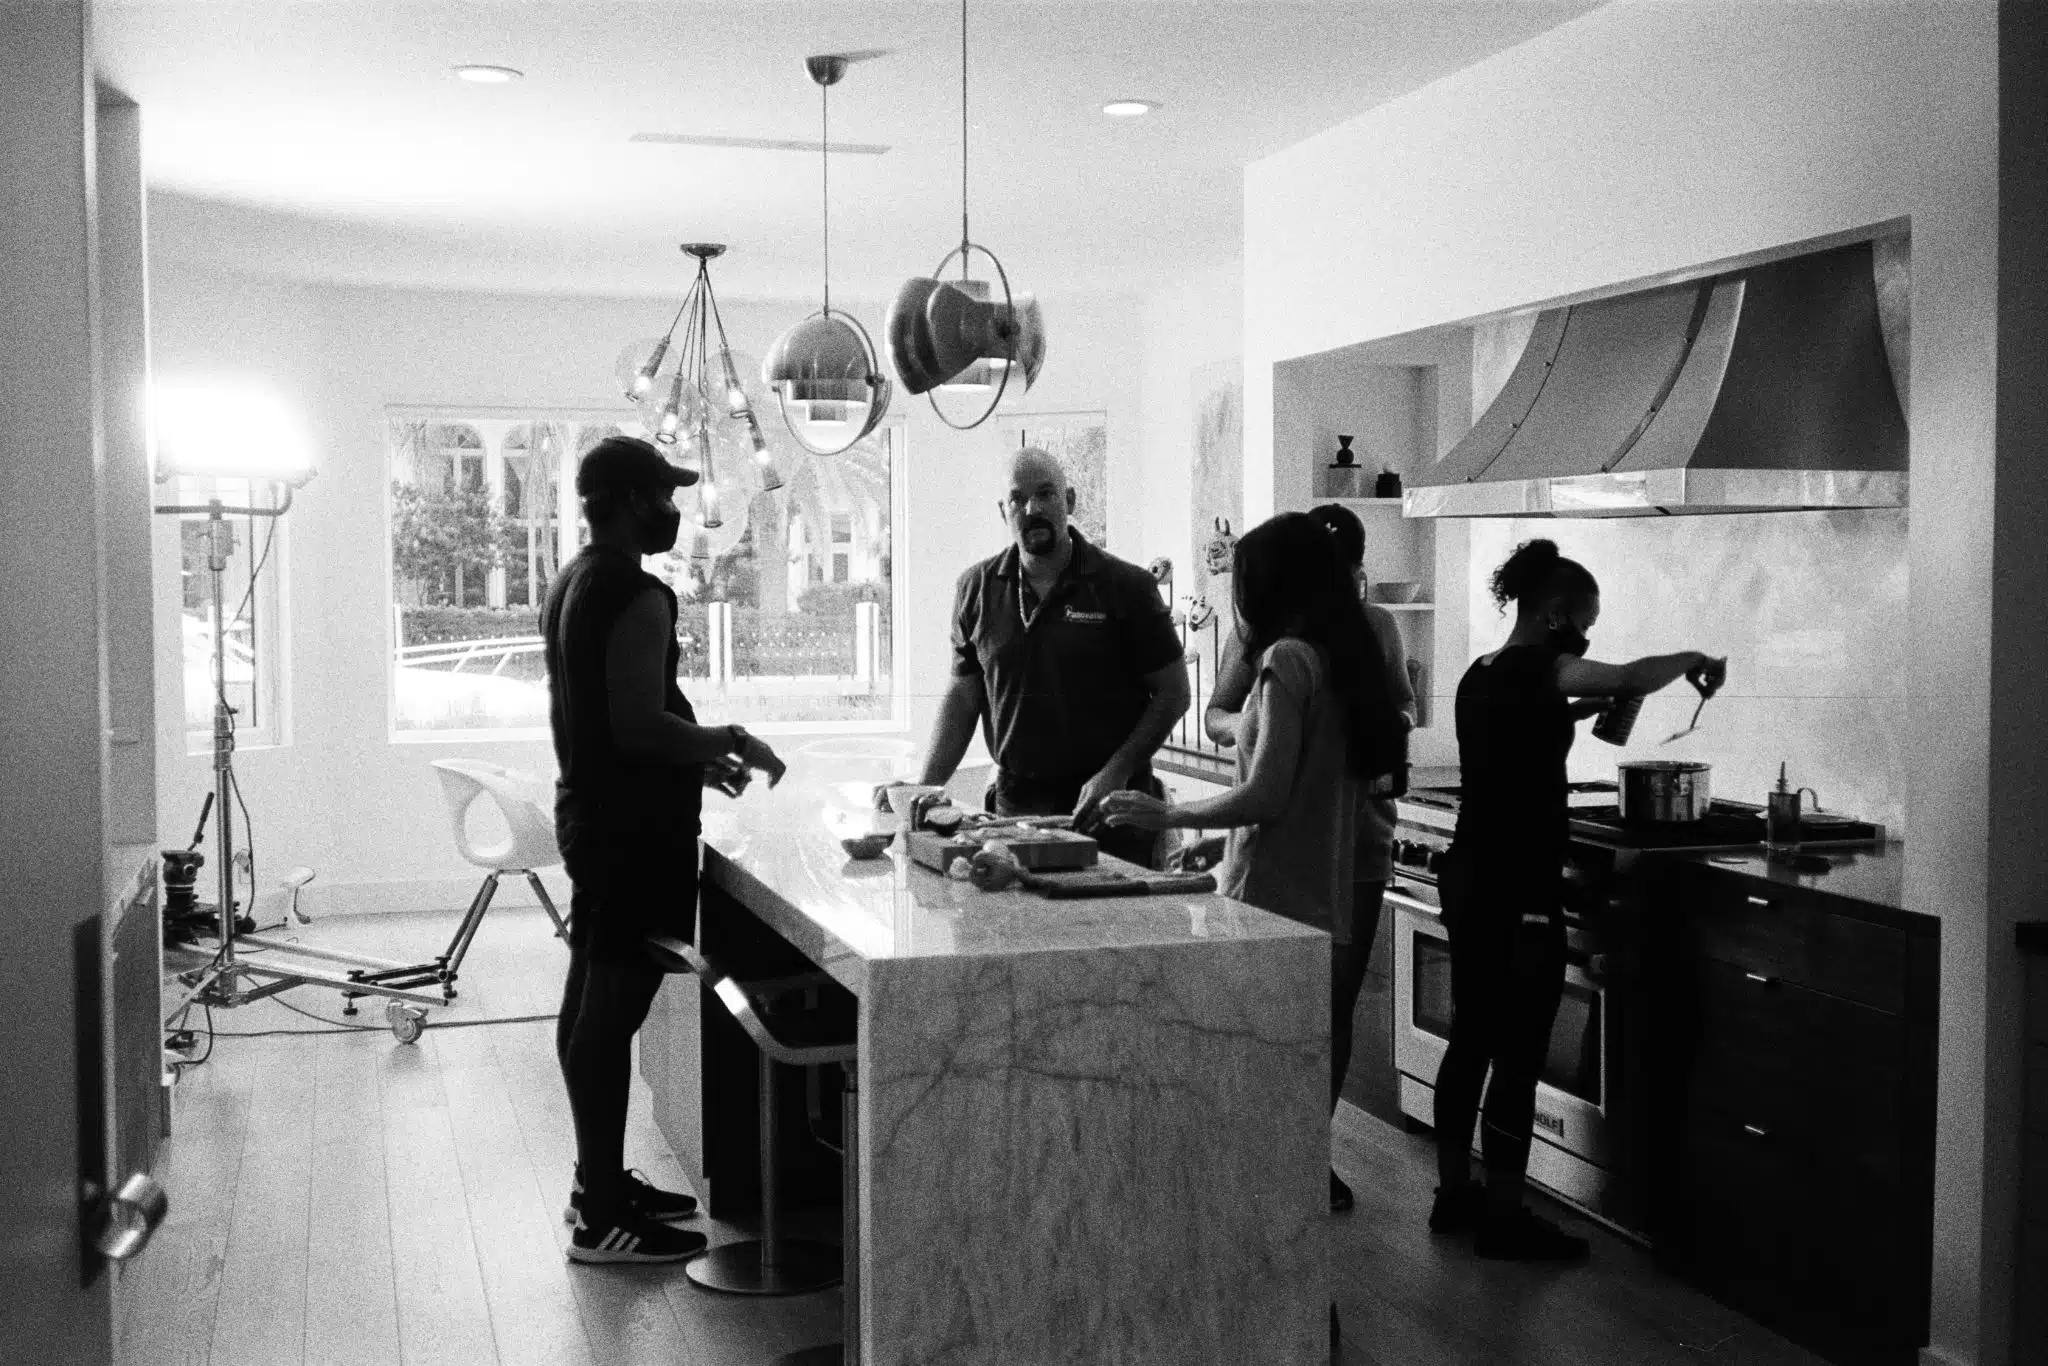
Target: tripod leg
x,y
458,947
547,903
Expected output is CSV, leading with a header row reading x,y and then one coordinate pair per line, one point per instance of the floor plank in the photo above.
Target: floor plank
x,y
351,1286
444,1316
261,1317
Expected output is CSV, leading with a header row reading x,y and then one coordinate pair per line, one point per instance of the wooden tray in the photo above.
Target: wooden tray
x,y
1034,850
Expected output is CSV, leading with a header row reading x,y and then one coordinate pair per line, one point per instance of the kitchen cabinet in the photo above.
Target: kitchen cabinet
x,y
1793,1108
2030,1305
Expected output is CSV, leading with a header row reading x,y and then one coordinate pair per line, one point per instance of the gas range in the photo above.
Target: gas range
x,y
1428,816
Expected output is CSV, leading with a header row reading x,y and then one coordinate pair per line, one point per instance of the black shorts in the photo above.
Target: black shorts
x,y
625,887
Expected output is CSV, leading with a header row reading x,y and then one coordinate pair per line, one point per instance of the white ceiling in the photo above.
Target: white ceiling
x,y
328,141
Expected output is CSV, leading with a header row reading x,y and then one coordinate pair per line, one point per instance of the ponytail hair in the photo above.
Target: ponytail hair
x,y
1536,573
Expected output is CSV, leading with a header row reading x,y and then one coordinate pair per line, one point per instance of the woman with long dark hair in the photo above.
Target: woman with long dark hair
x,y
1317,728
1373,854
1503,885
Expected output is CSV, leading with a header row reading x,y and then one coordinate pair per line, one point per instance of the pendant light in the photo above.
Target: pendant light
x,y
956,335
825,372
690,395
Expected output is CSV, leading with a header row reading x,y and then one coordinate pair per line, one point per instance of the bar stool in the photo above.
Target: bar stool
x,y
772,1264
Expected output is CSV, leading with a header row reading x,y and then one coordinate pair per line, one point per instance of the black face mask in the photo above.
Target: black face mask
x,y
1568,639
660,529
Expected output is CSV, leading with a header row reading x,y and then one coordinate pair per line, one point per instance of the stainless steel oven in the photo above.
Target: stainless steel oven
x,y
1574,1152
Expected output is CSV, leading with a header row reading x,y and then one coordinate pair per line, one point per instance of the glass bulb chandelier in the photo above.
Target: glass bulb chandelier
x,y
690,394
825,372
956,336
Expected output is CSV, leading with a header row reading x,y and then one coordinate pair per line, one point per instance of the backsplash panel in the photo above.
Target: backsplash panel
x,y
1810,609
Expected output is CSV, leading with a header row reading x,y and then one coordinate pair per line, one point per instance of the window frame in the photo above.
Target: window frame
x,y
270,602
571,541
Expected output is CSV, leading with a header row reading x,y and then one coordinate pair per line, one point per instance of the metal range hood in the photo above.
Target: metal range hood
x,y
1764,390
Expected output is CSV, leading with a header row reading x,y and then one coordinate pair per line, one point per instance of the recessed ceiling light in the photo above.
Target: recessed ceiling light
x,y
488,75
1129,109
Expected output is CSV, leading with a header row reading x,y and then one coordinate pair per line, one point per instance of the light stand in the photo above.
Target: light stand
x,y
229,980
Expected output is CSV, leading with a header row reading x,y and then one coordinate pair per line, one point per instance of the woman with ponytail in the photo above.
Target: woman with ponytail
x,y
1503,885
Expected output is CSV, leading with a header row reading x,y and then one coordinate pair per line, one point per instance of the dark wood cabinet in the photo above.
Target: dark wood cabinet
x,y
1792,1111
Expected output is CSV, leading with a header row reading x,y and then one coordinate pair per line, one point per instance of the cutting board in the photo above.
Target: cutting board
x,y
1034,850
1101,882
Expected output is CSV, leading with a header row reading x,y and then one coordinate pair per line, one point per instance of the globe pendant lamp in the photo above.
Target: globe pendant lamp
x,y
958,336
825,370
690,395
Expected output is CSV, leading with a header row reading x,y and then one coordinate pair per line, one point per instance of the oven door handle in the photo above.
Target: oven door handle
x,y
1409,903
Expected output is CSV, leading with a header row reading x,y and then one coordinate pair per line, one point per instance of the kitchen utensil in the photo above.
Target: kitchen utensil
x,y
1619,720
1395,590
1388,485
1667,790
1691,725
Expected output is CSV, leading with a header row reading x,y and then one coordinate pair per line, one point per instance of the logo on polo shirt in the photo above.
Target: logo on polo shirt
x,y
1087,618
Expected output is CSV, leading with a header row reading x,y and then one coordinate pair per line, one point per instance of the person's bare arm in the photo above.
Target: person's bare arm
x,y
1226,699
635,660
1590,678
953,730
1262,796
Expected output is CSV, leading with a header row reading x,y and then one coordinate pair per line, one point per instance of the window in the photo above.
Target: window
x,y
254,655
784,616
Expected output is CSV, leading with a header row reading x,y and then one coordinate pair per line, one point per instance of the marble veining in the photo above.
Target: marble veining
x,y
1090,1131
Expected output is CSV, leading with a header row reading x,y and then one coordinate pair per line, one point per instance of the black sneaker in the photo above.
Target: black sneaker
x,y
1340,1194
632,1238
1458,1209
1523,1237
646,1199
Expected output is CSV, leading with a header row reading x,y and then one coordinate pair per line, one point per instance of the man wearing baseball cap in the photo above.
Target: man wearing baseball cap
x,y
634,764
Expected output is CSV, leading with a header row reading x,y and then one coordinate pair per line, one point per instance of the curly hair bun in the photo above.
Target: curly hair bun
x,y
1526,573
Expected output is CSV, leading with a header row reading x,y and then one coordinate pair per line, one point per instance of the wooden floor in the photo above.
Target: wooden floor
x,y
346,1199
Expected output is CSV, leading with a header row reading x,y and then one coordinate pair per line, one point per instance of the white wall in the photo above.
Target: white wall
x,y
340,796
1650,137
1184,330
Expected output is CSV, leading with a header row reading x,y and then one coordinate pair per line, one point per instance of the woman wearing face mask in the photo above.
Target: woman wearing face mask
x,y
1503,885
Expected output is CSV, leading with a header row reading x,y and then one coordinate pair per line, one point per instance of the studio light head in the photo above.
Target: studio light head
x,y
227,429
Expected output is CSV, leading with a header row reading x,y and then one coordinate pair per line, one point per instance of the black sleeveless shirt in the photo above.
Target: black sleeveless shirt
x,y
597,782
1514,731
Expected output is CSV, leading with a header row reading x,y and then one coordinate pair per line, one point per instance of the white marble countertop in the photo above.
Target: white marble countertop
x,y
779,852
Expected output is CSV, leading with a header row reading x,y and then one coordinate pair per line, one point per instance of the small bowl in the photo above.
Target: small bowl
x,y
1396,590
867,846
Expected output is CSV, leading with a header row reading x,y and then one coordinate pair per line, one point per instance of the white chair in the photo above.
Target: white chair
x,y
530,844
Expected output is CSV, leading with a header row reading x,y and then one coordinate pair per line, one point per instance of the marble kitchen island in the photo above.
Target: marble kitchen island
x,y
1090,1131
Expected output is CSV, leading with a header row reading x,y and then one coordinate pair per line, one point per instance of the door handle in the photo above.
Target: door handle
x,y
124,1220
1762,903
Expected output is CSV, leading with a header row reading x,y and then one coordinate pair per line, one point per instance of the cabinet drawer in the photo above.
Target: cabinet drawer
x,y
1781,1055
1793,935
1742,1209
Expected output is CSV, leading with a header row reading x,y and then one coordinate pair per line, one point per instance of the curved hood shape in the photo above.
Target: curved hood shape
x,y
1764,390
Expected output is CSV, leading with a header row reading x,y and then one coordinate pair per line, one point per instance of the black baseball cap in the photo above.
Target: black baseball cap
x,y
627,462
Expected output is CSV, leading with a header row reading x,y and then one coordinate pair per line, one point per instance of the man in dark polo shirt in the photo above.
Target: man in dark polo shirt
x,y
1069,660
633,765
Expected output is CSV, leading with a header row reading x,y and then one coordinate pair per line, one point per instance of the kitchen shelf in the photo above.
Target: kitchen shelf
x,y
1404,606
1363,502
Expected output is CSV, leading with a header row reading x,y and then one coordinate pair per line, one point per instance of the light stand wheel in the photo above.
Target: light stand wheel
x,y
407,1022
